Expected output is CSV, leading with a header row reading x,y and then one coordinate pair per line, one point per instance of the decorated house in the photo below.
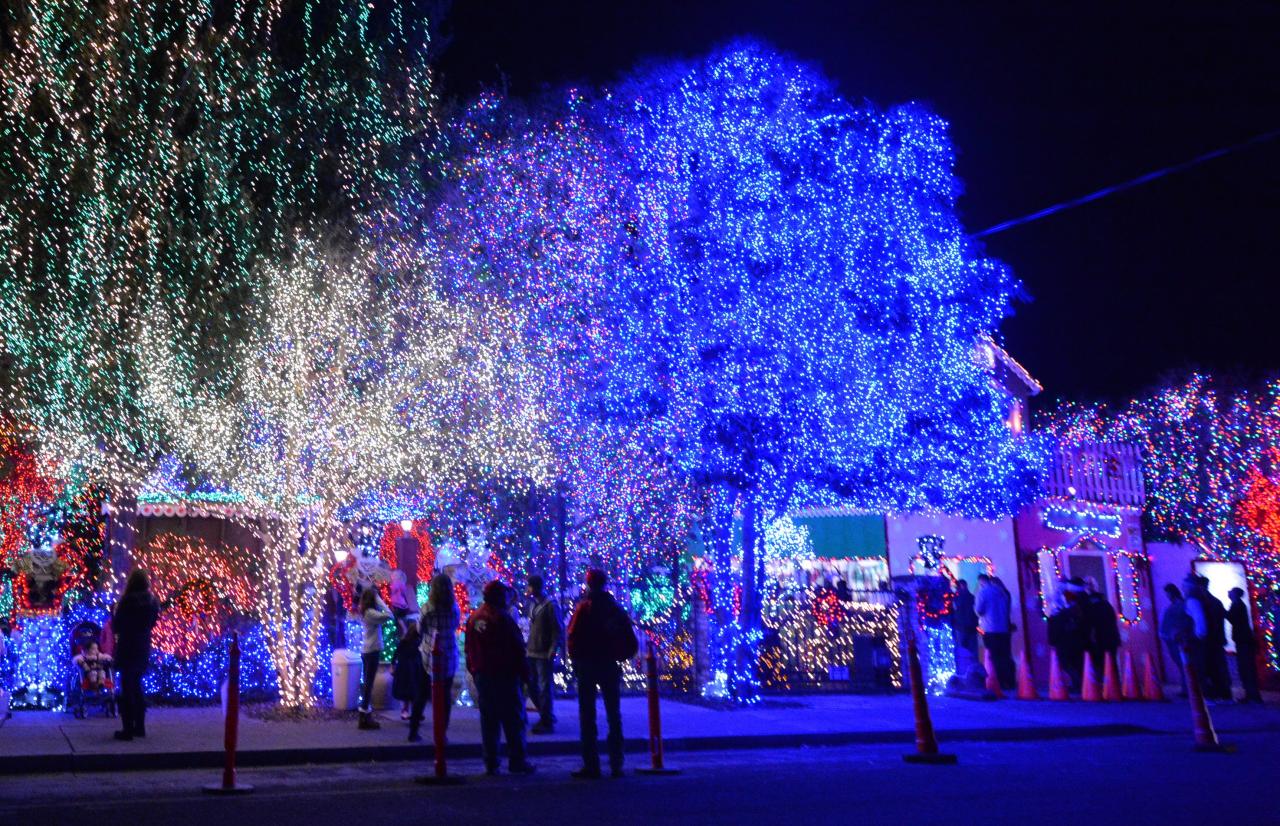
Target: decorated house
x,y
1088,527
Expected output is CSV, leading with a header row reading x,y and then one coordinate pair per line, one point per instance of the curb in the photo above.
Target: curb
x,y
261,758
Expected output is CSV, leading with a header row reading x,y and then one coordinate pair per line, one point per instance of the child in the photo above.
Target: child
x,y
373,613
95,668
409,681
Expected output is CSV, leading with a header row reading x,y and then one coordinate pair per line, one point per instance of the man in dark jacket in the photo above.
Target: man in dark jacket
x,y
1103,628
495,658
596,636
964,620
1246,645
135,615
545,634
1218,677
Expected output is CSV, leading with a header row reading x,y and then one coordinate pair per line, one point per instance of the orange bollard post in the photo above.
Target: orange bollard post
x,y
655,718
926,743
993,681
1090,692
1202,726
231,726
1129,681
1026,686
440,701
1110,680
1057,685
1151,687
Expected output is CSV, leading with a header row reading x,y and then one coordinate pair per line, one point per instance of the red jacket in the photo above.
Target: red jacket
x,y
494,644
589,629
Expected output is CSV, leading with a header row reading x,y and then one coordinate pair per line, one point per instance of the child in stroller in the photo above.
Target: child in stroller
x,y
94,670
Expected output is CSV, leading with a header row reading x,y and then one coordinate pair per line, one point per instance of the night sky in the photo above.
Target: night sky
x,y
1047,102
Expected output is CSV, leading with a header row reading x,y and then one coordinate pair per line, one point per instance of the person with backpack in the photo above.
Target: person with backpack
x,y
496,659
600,637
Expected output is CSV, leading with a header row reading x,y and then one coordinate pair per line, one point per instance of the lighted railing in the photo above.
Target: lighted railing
x,y
1108,473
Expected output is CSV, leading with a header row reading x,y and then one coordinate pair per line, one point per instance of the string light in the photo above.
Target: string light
x,y
1208,462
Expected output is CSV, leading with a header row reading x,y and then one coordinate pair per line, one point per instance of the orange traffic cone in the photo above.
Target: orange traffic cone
x,y
926,742
1026,687
1110,681
1206,737
993,681
1090,692
1151,688
1129,681
1057,686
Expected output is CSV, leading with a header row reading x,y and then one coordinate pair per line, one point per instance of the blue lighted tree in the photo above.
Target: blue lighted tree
x,y
803,307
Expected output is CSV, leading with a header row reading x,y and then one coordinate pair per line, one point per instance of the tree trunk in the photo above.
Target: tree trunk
x,y
292,604
747,684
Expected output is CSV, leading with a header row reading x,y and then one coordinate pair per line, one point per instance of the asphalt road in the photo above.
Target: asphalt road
x,y
1127,779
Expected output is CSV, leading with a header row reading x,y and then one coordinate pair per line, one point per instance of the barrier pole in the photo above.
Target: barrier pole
x,y
1206,739
440,701
655,717
231,728
926,743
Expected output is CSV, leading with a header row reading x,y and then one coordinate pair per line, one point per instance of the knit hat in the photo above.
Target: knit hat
x,y
495,594
596,579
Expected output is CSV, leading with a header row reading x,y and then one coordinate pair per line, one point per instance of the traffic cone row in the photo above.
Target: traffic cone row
x,y
1117,684
993,680
1110,681
1026,686
1090,691
1057,685
1129,688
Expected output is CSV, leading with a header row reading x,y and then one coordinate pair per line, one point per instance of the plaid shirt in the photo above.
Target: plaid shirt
x,y
440,626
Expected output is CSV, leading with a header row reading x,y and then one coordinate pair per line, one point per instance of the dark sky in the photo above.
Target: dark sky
x,y
1047,102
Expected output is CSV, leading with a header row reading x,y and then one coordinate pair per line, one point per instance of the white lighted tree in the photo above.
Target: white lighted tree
x,y
342,387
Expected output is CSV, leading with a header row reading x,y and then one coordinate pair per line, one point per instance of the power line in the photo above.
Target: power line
x,y
1130,184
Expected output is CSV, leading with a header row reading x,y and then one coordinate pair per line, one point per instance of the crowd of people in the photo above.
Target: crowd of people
x,y
1193,625
1083,621
503,665
986,615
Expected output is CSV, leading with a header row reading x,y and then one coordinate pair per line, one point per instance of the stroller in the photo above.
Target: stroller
x,y
92,674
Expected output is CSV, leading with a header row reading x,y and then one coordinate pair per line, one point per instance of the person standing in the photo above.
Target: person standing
x,y
1176,630
600,637
438,626
408,675
1217,677
134,617
1196,648
992,606
964,621
1246,645
545,636
373,613
496,659
1103,627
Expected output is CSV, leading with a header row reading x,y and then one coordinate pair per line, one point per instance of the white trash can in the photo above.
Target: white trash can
x,y
346,679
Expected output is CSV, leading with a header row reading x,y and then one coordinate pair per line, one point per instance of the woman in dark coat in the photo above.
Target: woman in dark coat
x,y
132,620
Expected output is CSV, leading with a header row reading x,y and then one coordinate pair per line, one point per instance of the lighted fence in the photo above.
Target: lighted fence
x,y
1108,472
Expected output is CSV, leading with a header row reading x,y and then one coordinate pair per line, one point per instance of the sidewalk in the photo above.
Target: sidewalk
x,y
36,742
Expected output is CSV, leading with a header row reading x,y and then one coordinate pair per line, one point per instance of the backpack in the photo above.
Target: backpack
x,y
621,634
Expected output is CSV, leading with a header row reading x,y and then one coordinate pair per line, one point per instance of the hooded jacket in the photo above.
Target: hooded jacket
x,y
589,640
495,647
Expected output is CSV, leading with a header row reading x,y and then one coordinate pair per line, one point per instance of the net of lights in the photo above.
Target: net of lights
x,y
1083,521
671,300
1208,463
812,634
